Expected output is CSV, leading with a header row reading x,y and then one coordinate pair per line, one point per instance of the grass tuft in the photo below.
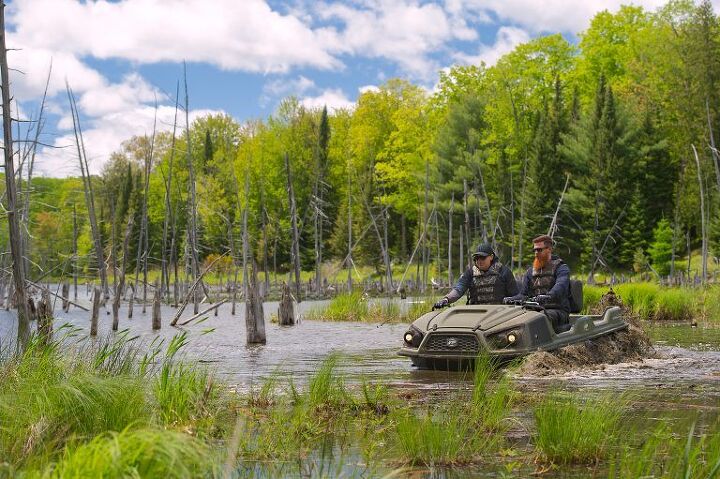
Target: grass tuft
x,y
136,453
571,431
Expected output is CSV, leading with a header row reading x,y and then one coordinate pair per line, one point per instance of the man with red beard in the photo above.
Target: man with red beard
x,y
548,283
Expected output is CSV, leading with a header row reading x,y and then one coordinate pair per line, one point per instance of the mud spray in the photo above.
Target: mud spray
x,y
631,344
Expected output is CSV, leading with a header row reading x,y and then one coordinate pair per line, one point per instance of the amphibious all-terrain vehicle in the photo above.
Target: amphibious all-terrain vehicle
x,y
452,338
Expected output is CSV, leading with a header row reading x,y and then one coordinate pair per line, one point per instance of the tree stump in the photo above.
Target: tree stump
x,y
45,317
254,315
66,296
286,310
156,317
32,311
95,312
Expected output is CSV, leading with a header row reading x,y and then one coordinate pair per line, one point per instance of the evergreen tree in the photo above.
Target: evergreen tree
x,y
547,168
661,248
633,232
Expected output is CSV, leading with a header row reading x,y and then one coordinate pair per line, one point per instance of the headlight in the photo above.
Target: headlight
x,y
413,337
505,339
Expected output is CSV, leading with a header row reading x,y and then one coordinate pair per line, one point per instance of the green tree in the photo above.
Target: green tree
x,y
660,250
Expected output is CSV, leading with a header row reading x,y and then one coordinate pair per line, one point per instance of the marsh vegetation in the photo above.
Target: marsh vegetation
x,y
70,408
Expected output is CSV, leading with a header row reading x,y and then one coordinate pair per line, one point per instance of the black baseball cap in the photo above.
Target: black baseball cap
x,y
483,250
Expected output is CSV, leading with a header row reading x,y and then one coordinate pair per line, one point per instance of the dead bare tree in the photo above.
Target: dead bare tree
x,y
38,127
450,227
121,283
192,207
165,273
703,222
553,224
89,195
12,207
295,249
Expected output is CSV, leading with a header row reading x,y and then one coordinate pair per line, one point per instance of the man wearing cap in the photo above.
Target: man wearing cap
x,y
547,281
488,281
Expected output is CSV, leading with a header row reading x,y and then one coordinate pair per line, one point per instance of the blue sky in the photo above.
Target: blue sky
x,y
244,56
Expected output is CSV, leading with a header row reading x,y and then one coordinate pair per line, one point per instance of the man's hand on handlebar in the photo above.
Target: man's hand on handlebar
x,y
517,301
542,298
441,304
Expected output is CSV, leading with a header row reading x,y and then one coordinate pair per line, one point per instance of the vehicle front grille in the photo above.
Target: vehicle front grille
x,y
443,343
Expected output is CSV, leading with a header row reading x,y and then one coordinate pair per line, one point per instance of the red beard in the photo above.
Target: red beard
x,y
539,263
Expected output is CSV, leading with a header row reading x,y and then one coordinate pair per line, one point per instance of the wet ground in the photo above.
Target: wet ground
x,y
680,384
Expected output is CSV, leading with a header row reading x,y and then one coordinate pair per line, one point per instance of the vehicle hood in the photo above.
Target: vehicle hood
x,y
482,317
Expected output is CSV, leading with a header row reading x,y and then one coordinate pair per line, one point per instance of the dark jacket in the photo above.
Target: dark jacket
x,y
560,290
505,285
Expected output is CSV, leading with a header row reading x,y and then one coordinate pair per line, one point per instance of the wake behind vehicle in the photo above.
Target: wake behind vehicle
x,y
452,338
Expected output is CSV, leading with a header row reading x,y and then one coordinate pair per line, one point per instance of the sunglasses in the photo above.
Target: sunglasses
x,y
539,250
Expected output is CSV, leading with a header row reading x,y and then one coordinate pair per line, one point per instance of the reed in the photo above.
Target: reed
x,y
665,454
569,430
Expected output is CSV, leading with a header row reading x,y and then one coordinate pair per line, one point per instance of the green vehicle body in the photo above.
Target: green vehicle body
x,y
453,337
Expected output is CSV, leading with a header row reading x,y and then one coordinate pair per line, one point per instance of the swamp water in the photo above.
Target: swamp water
x,y
679,387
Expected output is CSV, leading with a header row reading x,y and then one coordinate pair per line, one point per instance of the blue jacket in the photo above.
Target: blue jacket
x,y
560,291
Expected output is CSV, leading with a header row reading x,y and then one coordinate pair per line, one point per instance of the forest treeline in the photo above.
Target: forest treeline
x,y
611,140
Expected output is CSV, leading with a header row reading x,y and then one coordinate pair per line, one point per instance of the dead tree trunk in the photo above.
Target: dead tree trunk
x,y
286,309
254,316
702,217
45,318
450,227
89,195
31,163
295,235
75,253
156,317
66,296
165,272
233,255
12,206
349,255
146,233
121,282
192,207
95,312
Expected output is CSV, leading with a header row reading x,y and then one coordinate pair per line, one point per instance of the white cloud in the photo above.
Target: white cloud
x,y
536,16
366,88
334,99
103,135
119,97
506,39
235,35
398,30
34,64
284,86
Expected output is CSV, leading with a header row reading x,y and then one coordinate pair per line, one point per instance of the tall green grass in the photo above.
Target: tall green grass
x,y
665,454
136,453
355,307
653,302
569,430
343,307
442,437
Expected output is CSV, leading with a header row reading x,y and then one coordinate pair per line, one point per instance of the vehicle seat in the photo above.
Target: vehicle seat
x,y
576,296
